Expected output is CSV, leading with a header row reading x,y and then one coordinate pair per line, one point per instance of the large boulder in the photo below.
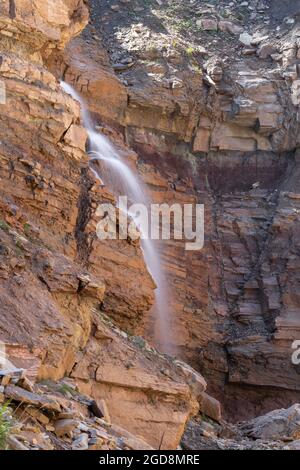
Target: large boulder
x,y
277,425
147,393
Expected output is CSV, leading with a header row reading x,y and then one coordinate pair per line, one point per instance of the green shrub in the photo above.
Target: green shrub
x,y
4,226
5,425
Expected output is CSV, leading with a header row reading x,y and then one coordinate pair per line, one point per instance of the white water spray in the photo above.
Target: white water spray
x,y
119,177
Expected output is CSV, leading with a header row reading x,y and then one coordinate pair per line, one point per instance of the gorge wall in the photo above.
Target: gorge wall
x,y
204,101
56,278
207,97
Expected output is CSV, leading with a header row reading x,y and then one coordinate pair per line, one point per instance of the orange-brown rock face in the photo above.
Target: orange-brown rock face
x,y
217,133
48,195
86,66
222,132
56,276
38,205
234,303
148,394
41,25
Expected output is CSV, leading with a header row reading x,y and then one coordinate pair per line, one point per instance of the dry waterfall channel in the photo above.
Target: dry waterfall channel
x,y
119,177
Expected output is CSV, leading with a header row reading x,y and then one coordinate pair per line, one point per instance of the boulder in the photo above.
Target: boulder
x,y
208,24
20,395
277,425
65,427
210,407
168,390
230,27
246,38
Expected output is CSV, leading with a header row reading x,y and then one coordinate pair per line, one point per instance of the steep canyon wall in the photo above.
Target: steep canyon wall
x,y
212,128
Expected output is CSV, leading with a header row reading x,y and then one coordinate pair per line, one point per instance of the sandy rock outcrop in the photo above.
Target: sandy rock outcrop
x,y
122,380
55,416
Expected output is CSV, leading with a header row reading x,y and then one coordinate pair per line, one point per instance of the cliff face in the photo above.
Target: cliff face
x,y
204,101
208,98
56,277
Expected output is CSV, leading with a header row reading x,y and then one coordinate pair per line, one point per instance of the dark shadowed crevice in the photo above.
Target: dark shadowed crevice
x,y
83,217
12,9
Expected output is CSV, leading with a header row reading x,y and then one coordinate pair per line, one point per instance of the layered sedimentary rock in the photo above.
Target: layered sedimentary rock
x,y
56,276
146,393
207,129
46,185
221,128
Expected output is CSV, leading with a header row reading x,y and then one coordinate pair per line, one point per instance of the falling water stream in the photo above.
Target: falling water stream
x,y
123,181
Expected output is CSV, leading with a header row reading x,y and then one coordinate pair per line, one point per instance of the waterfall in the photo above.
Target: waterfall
x,y
123,181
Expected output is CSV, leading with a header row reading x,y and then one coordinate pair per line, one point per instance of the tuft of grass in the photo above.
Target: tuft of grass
x,y
5,425
27,229
65,389
190,51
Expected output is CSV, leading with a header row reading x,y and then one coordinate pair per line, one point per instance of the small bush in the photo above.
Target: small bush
x,y
5,424
4,226
27,229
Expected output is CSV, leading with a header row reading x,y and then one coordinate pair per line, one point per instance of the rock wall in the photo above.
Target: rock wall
x,y
56,277
212,110
204,126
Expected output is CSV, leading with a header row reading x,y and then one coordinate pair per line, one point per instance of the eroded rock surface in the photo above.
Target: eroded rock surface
x,y
213,113
278,430
56,276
